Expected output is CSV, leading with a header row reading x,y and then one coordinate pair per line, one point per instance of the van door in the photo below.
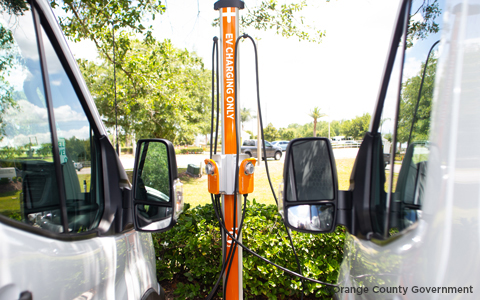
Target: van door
x,y
388,197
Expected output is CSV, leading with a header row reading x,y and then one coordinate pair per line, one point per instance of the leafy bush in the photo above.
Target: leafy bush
x,y
192,150
189,255
127,150
4,180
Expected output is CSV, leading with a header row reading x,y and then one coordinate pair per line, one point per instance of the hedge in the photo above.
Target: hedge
x,y
126,150
189,256
189,150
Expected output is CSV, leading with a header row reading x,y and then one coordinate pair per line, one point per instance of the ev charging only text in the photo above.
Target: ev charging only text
x,y
229,76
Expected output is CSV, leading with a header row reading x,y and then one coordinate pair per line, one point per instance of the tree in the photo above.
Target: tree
x,y
286,134
356,127
315,114
270,133
8,60
171,99
408,103
93,20
77,150
246,115
252,136
155,170
285,19
420,28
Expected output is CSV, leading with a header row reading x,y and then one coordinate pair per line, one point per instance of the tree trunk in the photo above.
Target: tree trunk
x,y
314,127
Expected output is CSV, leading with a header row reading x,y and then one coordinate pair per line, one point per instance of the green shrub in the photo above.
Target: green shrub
x,y
190,252
4,180
191,150
189,255
127,150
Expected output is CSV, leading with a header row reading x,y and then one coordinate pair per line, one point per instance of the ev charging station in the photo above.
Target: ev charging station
x,y
221,169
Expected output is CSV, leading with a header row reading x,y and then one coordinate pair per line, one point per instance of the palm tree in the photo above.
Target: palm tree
x,y
315,114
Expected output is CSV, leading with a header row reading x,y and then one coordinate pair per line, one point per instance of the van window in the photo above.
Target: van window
x,y
29,187
412,145
79,155
400,167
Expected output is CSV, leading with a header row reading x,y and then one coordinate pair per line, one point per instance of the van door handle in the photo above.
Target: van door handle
x,y
26,295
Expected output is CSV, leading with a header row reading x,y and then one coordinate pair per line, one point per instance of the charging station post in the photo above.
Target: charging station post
x,y
229,15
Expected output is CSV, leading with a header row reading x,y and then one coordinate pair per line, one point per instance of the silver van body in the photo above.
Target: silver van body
x,y
101,256
412,227
436,257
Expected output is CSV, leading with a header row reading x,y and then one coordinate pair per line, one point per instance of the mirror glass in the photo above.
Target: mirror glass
x,y
153,180
311,217
152,187
309,171
153,217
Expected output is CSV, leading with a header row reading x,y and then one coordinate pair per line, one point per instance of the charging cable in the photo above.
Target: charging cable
x,y
227,263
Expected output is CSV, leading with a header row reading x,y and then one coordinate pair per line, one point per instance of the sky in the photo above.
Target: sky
x,y
341,75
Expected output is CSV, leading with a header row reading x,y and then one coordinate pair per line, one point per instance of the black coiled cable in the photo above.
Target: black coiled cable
x,y
216,199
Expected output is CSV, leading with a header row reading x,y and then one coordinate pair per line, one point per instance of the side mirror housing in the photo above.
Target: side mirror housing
x,y
309,191
157,191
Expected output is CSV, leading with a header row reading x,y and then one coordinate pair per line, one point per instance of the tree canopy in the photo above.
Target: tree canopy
x,y
168,97
356,127
408,103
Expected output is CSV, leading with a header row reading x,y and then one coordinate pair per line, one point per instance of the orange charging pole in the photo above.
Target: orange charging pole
x,y
229,15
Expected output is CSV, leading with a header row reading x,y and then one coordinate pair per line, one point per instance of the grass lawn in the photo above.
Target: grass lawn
x,y
196,192
81,178
10,200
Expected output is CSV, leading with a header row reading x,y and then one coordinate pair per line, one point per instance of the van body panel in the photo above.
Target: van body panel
x,y
439,253
112,261
115,267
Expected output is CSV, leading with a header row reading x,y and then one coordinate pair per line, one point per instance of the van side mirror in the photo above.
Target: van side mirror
x,y
309,191
157,191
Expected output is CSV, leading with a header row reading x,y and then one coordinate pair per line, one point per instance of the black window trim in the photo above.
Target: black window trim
x,y
397,112
362,174
51,119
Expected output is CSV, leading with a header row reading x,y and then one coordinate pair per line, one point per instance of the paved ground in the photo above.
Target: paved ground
x,y
85,171
396,168
345,153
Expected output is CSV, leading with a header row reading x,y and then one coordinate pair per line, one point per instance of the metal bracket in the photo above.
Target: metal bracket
x,y
226,170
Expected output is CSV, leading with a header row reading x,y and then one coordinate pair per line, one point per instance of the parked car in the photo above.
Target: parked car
x,y
249,147
66,236
412,233
77,165
281,144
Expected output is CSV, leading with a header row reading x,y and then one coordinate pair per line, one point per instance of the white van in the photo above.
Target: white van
x,y
413,229
68,232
